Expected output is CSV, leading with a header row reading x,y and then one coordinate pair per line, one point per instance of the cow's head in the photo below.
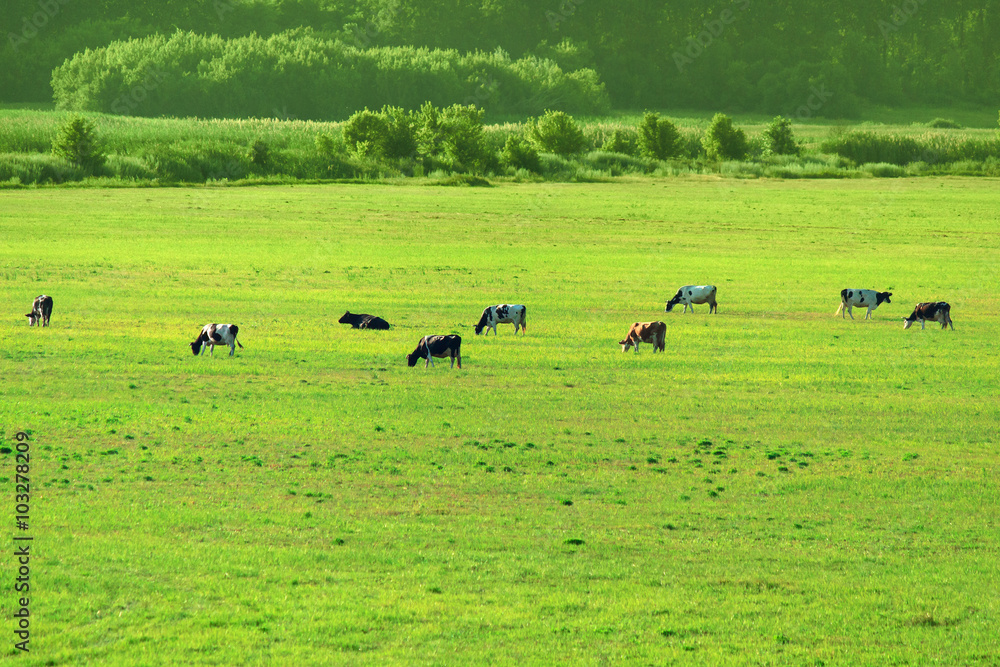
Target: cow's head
x,y
346,319
196,347
882,296
673,302
483,321
626,344
908,321
32,318
411,359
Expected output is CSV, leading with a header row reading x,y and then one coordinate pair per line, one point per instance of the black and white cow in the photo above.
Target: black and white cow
x,y
437,346
362,321
216,334
935,311
858,298
503,314
692,294
41,311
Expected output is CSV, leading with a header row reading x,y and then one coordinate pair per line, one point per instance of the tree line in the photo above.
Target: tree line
x,y
783,56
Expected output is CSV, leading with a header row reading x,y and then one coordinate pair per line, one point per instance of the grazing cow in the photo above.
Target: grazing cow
x,y
646,332
935,311
503,314
437,346
216,334
850,298
692,294
361,321
41,311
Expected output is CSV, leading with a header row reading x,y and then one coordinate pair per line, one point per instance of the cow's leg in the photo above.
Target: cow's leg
x,y
850,311
922,323
232,348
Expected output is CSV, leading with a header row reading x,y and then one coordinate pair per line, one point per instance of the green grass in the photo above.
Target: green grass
x,y
782,486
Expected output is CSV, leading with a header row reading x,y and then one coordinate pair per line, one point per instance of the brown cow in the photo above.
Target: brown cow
x,y
646,332
935,311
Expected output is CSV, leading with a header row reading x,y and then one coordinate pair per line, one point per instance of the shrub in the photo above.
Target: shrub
x,y
884,170
779,139
259,155
617,164
944,123
517,153
557,132
77,142
659,138
460,138
623,141
722,141
389,133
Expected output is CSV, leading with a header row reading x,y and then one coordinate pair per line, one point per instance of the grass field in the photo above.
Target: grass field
x,y
781,487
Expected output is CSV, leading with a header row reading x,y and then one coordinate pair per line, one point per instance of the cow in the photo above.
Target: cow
x,y
41,311
850,298
216,334
437,346
646,332
503,314
362,321
935,311
692,294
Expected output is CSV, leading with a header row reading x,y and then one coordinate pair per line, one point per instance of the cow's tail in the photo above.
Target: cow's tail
x,y
240,344
524,320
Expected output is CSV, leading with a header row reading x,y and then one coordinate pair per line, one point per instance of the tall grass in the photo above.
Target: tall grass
x,y
163,150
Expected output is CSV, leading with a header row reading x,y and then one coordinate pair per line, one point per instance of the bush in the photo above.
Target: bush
x,y
944,123
659,138
454,135
557,132
313,75
77,142
779,139
617,164
623,141
884,170
389,133
722,141
517,153
259,155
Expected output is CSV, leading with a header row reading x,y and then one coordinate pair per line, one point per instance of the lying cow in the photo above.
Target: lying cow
x,y
692,294
935,311
216,334
361,321
503,314
437,346
646,332
41,311
869,298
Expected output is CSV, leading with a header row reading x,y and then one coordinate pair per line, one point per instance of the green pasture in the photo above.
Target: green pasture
x,y
781,487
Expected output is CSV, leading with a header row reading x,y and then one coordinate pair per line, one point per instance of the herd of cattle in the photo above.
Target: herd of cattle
x,y
450,345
